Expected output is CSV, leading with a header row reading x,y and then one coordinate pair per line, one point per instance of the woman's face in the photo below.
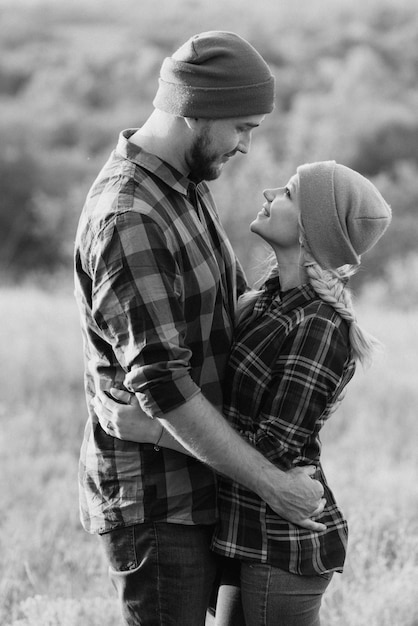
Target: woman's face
x,y
278,221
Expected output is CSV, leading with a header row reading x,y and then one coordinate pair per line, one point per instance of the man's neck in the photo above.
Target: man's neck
x,y
166,137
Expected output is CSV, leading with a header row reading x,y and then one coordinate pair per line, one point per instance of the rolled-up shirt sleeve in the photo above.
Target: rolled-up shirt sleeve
x,y
307,376
138,305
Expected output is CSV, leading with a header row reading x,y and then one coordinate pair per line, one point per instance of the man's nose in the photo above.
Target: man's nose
x,y
244,145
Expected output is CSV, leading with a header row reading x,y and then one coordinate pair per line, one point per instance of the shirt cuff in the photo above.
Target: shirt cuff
x,y
159,397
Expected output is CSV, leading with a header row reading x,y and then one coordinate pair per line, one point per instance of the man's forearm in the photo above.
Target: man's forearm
x,y
205,433
202,430
197,428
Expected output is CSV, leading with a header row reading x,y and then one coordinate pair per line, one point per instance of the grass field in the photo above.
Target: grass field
x,y
53,574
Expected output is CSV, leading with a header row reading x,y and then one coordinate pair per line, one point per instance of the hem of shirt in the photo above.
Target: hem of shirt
x,y
338,569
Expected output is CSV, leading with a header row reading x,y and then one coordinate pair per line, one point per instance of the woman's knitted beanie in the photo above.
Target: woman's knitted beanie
x,y
215,74
343,214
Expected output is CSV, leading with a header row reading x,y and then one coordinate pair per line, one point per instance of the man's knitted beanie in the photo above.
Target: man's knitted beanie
x,y
215,75
343,214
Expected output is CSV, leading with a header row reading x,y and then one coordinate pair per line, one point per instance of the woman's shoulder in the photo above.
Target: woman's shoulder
x,y
323,315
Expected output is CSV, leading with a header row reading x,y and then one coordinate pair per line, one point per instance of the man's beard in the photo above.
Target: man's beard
x,y
203,164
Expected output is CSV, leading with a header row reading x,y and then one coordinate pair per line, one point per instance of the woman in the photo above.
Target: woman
x,y
296,345
295,350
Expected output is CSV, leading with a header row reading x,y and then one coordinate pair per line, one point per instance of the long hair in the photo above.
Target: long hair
x,y
247,300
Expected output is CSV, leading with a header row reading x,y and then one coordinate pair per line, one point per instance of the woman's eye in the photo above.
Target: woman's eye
x,y
287,192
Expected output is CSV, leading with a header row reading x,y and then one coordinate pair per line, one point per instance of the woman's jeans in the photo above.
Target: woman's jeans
x,y
163,573
270,597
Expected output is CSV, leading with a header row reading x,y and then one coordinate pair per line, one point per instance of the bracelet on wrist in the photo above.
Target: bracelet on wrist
x,y
156,446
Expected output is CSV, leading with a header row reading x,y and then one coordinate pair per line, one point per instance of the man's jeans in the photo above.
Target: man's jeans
x,y
163,573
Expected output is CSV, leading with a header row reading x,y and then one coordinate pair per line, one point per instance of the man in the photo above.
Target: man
x,y
156,284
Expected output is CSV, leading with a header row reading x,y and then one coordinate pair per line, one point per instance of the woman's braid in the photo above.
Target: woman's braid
x,y
330,285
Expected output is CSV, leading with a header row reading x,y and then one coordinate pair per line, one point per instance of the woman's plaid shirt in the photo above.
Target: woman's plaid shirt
x,y
156,286
289,364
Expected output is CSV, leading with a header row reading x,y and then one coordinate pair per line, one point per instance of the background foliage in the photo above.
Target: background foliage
x,y
72,75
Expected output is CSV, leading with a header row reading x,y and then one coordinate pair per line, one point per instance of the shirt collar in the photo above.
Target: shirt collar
x,y
166,172
296,297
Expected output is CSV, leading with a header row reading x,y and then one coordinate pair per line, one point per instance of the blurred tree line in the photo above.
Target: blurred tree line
x,y
72,75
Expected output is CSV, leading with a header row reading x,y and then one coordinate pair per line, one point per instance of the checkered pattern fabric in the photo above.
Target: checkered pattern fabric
x,y
156,284
289,365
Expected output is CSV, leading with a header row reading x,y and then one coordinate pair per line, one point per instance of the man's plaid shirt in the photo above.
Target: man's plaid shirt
x,y
156,287
289,364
